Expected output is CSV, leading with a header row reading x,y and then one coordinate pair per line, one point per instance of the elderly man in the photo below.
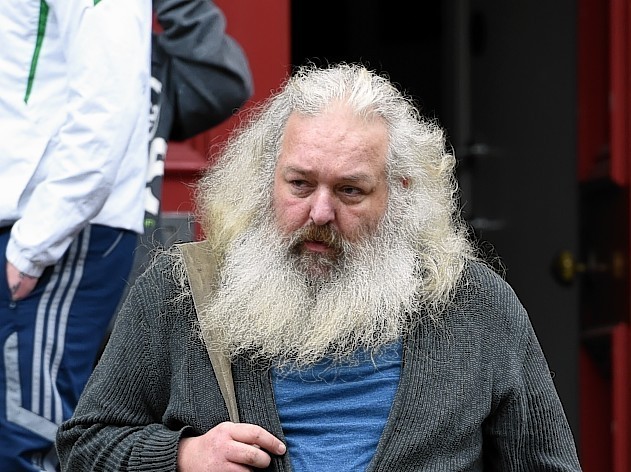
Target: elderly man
x,y
338,282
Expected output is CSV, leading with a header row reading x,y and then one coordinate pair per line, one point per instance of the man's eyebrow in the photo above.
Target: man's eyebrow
x,y
297,170
354,177
359,177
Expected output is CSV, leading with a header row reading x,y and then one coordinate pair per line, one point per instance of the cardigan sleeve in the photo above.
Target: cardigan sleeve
x,y
527,430
117,424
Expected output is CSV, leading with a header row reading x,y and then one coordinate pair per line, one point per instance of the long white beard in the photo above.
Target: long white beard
x,y
268,307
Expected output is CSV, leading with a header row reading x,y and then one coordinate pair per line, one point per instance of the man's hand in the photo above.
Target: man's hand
x,y
229,447
20,284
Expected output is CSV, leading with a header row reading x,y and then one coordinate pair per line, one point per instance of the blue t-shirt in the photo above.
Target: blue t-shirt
x,y
333,414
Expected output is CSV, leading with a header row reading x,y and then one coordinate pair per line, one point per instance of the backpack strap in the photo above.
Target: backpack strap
x,y
201,269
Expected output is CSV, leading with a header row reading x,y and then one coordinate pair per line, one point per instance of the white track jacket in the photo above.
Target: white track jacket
x,y
74,104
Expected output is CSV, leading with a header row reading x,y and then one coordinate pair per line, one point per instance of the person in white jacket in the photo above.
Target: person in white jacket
x,y
74,106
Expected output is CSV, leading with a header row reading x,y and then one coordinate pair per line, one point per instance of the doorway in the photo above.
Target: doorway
x,y
501,78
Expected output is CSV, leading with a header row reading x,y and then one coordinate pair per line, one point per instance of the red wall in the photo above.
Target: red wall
x,y
263,30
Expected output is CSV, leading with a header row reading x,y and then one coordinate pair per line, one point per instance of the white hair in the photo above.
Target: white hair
x,y
234,194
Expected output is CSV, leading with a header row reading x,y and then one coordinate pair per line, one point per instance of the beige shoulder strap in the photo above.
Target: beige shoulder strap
x,y
201,269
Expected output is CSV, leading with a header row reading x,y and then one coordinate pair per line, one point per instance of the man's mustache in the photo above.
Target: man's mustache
x,y
324,234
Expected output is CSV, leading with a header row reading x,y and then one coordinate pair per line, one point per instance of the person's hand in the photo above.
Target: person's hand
x,y
229,447
20,284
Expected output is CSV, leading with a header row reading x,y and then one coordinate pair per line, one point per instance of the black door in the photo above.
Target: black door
x,y
512,106
501,76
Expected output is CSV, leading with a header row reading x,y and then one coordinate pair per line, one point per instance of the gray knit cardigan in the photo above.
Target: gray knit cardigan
x,y
475,391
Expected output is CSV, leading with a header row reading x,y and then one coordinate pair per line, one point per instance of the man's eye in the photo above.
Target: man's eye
x,y
298,183
300,187
351,191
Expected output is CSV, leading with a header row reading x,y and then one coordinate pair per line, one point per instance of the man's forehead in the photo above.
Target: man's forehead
x,y
337,131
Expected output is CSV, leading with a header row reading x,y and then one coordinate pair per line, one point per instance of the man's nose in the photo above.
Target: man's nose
x,y
322,208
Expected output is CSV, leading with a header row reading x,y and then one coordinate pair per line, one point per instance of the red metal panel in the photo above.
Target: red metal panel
x,y
604,151
620,403
182,168
604,90
619,96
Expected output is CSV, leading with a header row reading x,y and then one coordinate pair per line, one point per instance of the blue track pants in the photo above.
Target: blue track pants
x,y
50,341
